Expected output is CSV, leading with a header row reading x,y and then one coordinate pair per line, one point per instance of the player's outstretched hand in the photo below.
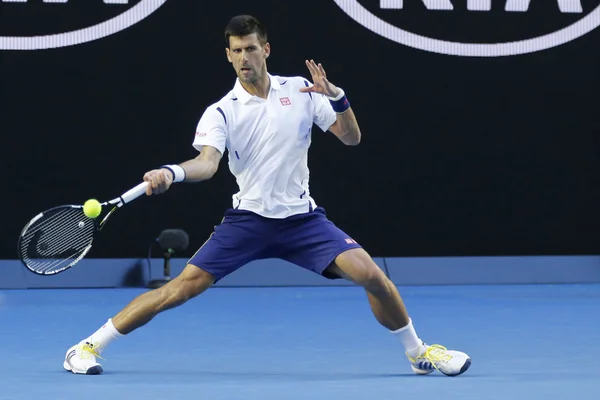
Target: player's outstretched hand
x,y
160,180
320,82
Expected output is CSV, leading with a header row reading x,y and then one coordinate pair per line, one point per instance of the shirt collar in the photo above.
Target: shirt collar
x,y
244,96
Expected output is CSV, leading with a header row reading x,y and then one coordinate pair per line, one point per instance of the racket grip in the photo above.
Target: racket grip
x,y
134,193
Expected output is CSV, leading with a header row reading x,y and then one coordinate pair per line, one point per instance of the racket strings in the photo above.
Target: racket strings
x,y
52,228
57,239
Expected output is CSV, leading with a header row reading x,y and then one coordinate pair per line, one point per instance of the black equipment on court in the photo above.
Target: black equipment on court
x,y
169,241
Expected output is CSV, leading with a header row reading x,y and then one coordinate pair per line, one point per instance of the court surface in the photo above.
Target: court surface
x,y
526,342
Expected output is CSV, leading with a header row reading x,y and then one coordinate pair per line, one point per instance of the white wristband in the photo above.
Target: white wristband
x,y
339,96
178,172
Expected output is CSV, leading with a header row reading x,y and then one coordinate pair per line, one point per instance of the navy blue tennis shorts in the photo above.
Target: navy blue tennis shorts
x,y
308,240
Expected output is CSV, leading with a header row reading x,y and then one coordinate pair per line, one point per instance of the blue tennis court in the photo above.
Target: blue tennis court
x,y
526,342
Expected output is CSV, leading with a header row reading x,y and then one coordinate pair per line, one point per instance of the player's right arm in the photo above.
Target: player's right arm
x,y
210,141
202,167
198,169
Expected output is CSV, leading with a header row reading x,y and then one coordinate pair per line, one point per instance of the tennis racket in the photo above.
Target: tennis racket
x,y
58,238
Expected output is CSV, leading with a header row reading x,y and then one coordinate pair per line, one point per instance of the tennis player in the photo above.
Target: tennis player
x,y
265,122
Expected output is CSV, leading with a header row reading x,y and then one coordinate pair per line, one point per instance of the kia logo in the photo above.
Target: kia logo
x,y
378,25
124,20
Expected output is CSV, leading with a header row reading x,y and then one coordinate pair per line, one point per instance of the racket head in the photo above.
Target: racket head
x,y
56,239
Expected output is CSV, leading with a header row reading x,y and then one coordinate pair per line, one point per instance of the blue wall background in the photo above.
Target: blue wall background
x,y
114,273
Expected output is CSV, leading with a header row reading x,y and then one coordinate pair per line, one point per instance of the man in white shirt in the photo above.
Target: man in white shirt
x,y
265,125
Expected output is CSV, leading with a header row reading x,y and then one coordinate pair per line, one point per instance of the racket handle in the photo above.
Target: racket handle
x,y
134,193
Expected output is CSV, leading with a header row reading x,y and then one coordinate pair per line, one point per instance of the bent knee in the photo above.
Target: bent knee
x,y
374,280
190,283
357,266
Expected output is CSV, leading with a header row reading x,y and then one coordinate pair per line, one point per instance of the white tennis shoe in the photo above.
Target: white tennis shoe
x,y
81,359
436,357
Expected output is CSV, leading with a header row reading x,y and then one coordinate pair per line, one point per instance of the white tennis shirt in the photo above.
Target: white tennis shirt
x,y
268,142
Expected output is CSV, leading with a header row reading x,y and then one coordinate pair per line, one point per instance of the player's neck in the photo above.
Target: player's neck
x,y
260,88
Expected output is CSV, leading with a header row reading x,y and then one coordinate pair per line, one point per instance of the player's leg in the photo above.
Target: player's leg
x,y
81,358
315,243
190,283
388,307
234,243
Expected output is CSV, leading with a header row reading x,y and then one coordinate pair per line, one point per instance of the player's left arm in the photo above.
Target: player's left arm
x,y
345,126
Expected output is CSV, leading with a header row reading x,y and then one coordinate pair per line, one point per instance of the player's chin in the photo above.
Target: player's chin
x,y
247,75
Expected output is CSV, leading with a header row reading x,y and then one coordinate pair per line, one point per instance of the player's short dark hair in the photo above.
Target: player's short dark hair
x,y
242,25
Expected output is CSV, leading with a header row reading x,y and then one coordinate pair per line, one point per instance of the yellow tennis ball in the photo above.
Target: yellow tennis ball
x,y
92,208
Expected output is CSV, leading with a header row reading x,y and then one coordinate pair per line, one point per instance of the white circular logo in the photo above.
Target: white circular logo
x,y
122,21
370,21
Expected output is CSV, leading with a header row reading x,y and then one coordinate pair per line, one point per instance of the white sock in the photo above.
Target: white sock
x,y
103,336
410,340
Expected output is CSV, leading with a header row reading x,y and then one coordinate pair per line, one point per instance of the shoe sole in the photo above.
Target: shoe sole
x,y
464,368
95,370
419,371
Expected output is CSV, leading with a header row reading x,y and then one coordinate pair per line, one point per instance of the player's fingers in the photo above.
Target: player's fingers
x,y
311,68
162,181
148,176
315,68
155,182
307,89
322,71
149,189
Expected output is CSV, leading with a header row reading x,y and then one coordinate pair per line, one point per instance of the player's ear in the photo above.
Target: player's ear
x,y
228,54
267,49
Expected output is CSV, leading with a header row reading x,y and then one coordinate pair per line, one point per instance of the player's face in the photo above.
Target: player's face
x,y
248,57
